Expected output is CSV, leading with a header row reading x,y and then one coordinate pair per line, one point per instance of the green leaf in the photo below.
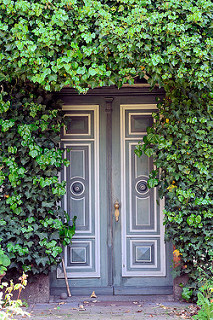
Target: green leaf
x,y
151,183
149,152
187,293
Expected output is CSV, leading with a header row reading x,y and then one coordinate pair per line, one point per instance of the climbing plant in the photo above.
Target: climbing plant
x,y
181,143
32,225
103,42
90,43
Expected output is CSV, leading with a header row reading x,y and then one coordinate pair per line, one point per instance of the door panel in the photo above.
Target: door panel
x,y
142,263
143,252
141,201
81,142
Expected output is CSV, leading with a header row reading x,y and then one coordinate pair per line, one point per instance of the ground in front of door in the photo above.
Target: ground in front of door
x,y
113,307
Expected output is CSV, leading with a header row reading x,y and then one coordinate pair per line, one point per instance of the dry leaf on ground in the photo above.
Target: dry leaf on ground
x,y
93,295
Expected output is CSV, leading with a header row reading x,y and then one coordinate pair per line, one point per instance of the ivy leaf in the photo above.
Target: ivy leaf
x,y
149,152
34,153
151,183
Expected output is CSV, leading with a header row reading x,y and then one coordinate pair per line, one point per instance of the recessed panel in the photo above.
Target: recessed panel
x,y
77,159
78,255
78,185
78,209
142,164
78,125
139,123
143,211
136,123
140,199
143,254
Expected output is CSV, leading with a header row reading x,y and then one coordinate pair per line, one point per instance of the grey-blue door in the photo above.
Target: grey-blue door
x,y
127,256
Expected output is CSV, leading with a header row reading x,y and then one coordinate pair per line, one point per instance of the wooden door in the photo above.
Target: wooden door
x,y
139,233
124,257
86,259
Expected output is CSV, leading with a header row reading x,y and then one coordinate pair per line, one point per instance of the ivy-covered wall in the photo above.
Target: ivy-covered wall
x,y
90,43
32,224
181,143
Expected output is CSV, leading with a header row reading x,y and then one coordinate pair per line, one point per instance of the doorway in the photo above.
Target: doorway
x,y
119,244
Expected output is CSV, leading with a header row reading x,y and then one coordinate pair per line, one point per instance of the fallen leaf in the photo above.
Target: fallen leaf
x,y
127,311
81,308
86,302
62,302
139,311
135,302
93,295
94,301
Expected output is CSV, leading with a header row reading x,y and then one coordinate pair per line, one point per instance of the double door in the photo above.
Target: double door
x,y
119,244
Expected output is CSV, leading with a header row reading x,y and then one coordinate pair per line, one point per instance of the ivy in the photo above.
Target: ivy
x,y
30,161
181,141
96,43
92,43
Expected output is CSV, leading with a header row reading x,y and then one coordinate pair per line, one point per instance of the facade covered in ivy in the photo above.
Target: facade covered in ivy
x,y
132,161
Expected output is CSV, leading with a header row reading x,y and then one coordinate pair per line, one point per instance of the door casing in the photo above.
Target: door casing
x,y
109,102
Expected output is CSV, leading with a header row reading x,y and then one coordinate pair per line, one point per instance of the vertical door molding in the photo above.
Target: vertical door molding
x,y
108,110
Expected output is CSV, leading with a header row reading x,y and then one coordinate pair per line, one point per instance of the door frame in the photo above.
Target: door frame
x,y
70,96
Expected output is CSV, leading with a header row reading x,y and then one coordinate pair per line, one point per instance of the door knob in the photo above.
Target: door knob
x,y
117,206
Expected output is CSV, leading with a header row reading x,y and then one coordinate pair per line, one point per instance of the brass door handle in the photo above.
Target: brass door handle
x,y
117,206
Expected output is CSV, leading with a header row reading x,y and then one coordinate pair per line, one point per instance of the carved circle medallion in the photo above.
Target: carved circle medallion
x,y
77,188
141,186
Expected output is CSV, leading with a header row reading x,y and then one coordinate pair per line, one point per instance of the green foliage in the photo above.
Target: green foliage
x,y
67,231
97,42
206,311
94,43
181,139
205,294
33,226
4,261
187,293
